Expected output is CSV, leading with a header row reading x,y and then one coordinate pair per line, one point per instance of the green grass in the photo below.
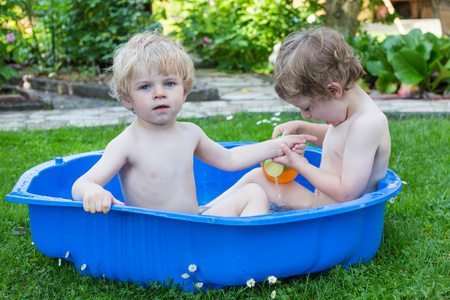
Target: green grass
x,y
413,261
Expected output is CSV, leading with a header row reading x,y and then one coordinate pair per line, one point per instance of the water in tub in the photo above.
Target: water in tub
x,y
279,197
275,170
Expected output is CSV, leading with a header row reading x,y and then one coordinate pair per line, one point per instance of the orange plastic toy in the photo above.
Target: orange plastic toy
x,y
284,175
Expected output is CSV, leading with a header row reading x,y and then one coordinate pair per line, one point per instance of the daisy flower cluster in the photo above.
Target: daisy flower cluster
x,y
191,273
192,269
66,256
274,120
271,280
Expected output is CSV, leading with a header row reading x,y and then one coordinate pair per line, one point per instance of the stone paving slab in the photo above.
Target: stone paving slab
x,y
414,106
238,93
104,115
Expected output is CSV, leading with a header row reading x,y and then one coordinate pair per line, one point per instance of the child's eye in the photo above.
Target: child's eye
x,y
169,84
305,109
145,87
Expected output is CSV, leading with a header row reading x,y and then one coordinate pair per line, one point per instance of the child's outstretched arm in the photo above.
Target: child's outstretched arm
x,y
302,127
89,187
242,157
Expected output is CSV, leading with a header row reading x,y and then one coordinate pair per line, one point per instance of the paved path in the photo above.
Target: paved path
x,y
238,93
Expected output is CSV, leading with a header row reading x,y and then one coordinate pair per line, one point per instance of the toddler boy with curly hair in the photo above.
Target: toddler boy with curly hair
x,y
317,72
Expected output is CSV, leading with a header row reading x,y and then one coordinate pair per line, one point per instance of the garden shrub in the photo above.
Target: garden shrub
x,y
7,40
110,23
414,60
56,33
239,35
235,35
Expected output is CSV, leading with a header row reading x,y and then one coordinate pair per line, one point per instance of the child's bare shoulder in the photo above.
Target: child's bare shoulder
x,y
372,116
126,137
190,128
371,124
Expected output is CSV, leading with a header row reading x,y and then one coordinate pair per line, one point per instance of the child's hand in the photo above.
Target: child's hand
x,y
297,143
285,129
299,149
292,158
99,201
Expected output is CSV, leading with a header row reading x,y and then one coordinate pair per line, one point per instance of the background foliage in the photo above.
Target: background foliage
x,y
239,36
50,34
415,61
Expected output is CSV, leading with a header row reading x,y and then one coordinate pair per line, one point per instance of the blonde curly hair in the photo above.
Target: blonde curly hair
x,y
153,52
309,61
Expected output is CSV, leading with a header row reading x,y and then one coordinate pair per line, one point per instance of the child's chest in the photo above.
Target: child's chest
x,y
334,145
167,154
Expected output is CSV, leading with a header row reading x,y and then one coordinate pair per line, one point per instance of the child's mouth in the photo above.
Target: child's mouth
x,y
161,107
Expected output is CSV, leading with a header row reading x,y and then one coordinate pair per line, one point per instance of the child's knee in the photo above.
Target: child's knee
x,y
258,195
254,175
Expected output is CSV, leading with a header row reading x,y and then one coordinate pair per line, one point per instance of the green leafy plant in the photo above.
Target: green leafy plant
x,y
109,23
35,25
52,34
7,42
6,72
414,61
374,60
239,35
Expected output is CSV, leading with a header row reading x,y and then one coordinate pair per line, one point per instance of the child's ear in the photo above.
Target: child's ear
x,y
126,102
336,90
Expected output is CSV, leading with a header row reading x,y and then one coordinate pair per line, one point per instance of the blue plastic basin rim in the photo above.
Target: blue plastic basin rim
x,y
394,185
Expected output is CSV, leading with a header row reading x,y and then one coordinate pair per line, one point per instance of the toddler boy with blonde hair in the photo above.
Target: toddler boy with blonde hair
x,y
152,76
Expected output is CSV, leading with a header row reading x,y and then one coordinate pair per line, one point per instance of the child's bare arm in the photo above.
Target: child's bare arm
x,y
358,159
89,187
302,127
245,156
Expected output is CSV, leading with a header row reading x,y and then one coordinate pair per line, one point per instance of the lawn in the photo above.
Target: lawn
x,y
413,261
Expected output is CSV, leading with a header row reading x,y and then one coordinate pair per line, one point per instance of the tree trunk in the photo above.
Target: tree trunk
x,y
342,15
442,9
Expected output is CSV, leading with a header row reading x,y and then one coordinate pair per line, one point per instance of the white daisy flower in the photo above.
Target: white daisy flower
x,y
272,279
192,268
251,282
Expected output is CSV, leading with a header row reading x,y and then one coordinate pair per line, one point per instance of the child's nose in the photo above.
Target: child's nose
x,y
159,92
305,115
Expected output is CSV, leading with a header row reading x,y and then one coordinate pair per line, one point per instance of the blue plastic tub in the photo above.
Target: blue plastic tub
x,y
141,244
